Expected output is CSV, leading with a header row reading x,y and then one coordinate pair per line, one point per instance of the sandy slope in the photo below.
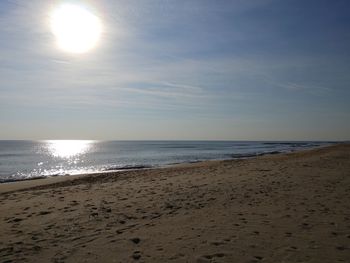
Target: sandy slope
x,y
280,208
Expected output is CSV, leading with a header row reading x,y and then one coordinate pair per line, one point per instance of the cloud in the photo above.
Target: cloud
x,y
301,87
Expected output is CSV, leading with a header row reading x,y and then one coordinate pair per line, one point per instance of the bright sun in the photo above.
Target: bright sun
x,y
76,29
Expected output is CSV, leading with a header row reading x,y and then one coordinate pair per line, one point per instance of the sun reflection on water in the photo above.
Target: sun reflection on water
x,y
68,148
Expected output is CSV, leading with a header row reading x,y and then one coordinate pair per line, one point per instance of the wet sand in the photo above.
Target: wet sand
x,y
279,208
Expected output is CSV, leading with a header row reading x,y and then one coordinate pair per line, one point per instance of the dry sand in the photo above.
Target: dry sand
x,y
280,208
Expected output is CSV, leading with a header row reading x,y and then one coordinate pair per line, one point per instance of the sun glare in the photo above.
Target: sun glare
x,y
68,148
77,30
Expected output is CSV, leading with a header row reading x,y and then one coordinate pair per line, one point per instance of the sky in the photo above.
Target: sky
x,y
179,70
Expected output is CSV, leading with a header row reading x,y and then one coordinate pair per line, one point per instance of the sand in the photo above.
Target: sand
x,y
279,208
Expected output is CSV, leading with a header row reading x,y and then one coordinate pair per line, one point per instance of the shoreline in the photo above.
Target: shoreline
x,y
27,182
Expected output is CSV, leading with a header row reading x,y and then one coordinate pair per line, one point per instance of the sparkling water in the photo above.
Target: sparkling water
x,y
31,159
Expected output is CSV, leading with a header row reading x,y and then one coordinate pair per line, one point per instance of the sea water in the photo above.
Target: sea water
x,y
32,159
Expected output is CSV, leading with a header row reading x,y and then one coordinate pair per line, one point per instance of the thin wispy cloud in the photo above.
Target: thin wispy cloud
x,y
300,87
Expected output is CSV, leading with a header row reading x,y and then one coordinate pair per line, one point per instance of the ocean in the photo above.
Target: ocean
x,y
20,160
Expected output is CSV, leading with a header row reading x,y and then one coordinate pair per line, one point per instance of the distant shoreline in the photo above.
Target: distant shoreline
x,y
29,182
32,160
142,167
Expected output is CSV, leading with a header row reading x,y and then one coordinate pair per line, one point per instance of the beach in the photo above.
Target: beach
x,y
275,208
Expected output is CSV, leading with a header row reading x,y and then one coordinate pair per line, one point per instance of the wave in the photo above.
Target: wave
x,y
178,147
13,154
251,155
126,167
11,180
295,144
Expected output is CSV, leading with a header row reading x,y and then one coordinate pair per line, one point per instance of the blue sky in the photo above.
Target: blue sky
x,y
194,69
